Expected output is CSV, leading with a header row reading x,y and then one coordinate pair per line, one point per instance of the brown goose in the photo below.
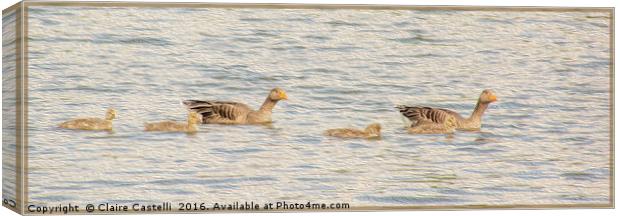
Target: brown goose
x,y
224,112
171,126
91,123
427,115
372,131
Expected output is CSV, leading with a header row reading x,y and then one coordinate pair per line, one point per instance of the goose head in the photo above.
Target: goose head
x,y
487,96
110,114
193,118
277,94
373,129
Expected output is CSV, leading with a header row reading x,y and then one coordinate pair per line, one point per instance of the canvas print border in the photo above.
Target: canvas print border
x,y
22,84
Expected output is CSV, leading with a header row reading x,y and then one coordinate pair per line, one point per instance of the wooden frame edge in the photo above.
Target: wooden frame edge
x,y
313,6
11,8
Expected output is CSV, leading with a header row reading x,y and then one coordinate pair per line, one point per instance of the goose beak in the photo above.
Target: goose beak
x,y
493,98
283,96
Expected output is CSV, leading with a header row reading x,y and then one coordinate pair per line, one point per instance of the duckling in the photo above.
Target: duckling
x,y
372,131
91,123
193,118
448,126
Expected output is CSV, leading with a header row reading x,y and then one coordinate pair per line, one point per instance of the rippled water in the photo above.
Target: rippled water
x,y
9,140
546,141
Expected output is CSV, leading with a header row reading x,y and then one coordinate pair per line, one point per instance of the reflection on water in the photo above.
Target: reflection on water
x,y
545,142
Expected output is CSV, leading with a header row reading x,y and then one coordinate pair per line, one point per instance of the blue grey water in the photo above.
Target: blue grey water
x,y
546,141
9,140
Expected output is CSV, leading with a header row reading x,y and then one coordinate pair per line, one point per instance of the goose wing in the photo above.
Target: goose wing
x,y
455,114
418,114
217,109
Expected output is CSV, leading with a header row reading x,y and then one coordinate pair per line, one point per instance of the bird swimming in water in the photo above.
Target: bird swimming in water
x,y
372,131
225,112
91,123
171,126
429,115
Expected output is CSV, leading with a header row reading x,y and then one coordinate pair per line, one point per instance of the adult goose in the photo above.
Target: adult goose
x,y
91,123
427,115
225,112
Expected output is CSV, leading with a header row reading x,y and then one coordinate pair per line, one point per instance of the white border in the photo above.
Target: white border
x,y
568,3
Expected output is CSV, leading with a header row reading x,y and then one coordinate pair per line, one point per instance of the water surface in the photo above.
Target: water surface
x,y
546,141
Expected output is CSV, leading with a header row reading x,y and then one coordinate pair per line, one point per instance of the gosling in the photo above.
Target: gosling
x,y
193,118
372,131
448,126
91,123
